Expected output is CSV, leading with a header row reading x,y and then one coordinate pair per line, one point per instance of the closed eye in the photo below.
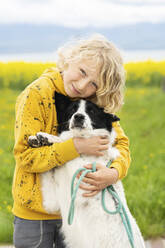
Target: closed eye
x,y
91,110
83,72
94,84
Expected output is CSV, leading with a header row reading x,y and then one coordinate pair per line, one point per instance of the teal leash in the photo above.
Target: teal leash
x,y
119,209
74,191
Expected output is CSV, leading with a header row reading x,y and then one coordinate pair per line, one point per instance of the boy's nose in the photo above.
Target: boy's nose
x,y
82,84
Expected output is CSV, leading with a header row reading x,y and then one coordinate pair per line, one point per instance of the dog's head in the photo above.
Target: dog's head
x,y
81,115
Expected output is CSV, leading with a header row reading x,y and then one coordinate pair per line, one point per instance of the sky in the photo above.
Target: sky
x,y
82,13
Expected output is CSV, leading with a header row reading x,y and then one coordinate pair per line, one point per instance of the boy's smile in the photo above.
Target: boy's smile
x,y
81,79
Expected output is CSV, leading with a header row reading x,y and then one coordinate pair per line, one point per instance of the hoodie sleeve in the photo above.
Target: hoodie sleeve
x,y
122,163
30,119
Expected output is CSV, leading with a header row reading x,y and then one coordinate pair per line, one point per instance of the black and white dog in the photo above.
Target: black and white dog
x,y
92,227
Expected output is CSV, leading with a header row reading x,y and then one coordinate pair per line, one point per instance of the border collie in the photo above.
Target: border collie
x,y
92,227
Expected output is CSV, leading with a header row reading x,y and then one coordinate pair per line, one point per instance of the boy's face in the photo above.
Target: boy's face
x,y
81,79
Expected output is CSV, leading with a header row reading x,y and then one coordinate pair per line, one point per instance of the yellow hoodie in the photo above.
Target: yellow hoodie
x,y
35,112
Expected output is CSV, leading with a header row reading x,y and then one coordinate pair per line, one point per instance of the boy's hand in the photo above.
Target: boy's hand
x,y
91,146
96,181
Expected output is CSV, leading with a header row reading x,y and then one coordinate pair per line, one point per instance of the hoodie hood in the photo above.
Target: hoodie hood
x,y
56,79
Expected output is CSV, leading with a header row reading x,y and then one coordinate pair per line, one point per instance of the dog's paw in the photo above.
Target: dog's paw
x,y
44,139
47,139
33,141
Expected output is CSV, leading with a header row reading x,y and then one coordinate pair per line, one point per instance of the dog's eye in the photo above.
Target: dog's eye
x,y
90,110
72,109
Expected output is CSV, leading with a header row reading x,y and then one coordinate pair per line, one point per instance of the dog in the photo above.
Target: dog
x,y
92,227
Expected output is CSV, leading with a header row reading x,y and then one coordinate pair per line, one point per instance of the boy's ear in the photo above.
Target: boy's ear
x,y
61,102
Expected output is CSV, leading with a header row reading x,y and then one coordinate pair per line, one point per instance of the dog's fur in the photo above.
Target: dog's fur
x,y
92,227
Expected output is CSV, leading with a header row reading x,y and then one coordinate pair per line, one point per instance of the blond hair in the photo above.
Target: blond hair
x,y
106,56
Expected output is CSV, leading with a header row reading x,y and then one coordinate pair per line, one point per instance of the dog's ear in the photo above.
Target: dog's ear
x,y
61,102
114,118
109,119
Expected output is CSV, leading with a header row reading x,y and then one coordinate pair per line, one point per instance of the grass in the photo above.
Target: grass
x,y
142,119
7,105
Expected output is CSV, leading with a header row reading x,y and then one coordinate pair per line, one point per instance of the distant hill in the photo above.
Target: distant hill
x,y
26,38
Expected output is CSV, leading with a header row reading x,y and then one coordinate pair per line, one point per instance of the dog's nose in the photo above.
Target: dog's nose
x,y
79,117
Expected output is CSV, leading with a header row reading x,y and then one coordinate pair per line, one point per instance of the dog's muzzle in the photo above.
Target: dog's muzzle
x,y
78,121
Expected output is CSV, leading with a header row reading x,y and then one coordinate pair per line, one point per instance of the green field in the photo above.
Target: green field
x,y
143,120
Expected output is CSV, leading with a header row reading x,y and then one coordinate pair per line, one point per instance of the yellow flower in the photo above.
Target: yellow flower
x,y
2,127
145,167
1,151
9,208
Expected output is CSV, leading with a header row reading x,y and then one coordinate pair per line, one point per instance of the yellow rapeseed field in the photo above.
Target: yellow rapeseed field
x,y
148,73
17,75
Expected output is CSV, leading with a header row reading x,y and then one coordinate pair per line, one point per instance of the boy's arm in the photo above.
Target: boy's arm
x,y
31,117
121,163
